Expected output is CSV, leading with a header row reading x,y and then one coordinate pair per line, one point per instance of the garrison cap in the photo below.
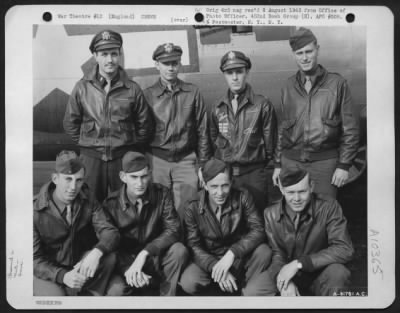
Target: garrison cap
x,y
301,37
291,176
134,162
106,39
167,52
212,168
234,59
68,162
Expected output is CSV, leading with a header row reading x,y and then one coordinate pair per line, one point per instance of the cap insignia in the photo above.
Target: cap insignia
x,y
106,36
231,55
168,47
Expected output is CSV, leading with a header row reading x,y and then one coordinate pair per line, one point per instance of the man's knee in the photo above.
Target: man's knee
x,y
192,281
337,274
262,255
107,262
178,252
47,288
117,287
260,285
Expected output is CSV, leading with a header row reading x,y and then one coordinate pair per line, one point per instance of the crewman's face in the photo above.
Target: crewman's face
x,y
307,57
68,186
236,78
108,60
136,182
168,70
298,196
219,187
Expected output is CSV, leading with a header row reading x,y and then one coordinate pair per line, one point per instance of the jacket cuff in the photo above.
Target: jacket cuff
x,y
102,248
152,249
60,276
344,166
306,262
277,164
211,265
236,252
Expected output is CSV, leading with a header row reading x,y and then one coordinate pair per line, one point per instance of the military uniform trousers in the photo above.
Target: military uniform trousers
x,y
102,177
180,177
96,286
325,282
256,182
164,270
321,173
196,281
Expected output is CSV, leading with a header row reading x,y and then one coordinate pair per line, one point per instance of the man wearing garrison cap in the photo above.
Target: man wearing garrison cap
x,y
180,143
107,115
309,239
225,235
319,129
243,129
149,254
68,259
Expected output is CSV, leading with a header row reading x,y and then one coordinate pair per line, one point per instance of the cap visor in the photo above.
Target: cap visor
x,y
108,46
232,66
169,58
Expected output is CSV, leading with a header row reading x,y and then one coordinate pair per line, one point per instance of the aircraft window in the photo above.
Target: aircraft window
x,y
272,33
215,35
242,29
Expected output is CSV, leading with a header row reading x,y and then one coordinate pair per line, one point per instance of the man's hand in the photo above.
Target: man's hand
x,y
229,284
286,274
221,268
275,176
339,177
74,279
290,291
134,275
90,262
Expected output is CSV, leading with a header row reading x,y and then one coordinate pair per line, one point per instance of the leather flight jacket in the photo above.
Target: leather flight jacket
x,y
107,125
181,122
58,246
240,228
247,139
321,238
319,125
154,229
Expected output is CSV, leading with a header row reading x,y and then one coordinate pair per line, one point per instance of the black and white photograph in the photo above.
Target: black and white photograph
x,y
173,162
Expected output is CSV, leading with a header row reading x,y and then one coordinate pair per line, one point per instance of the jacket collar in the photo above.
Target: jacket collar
x,y
309,210
122,77
43,198
246,97
318,77
231,203
126,204
160,88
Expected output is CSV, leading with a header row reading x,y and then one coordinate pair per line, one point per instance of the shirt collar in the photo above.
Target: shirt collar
x,y
313,76
308,211
126,203
161,88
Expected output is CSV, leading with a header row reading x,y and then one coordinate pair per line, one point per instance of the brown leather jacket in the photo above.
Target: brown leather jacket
x,y
247,137
57,246
155,229
106,125
181,122
321,239
240,229
319,125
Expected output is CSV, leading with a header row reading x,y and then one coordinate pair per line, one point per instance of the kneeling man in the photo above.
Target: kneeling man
x,y
225,235
68,260
149,254
309,239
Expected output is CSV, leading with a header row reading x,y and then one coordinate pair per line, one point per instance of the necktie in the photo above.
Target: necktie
x,y
218,213
296,221
107,86
139,205
68,217
235,103
308,84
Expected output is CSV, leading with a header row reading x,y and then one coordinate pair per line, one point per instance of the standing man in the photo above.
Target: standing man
x,y
243,129
68,260
309,239
149,254
225,235
181,128
319,130
107,115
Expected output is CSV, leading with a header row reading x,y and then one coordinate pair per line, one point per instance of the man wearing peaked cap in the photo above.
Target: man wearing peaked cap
x,y
324,139
68,259
181,142
240,137
322,245
149,254
107,115
225,235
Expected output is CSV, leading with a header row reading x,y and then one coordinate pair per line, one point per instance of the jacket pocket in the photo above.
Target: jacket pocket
x,y
127,130
331,129
288,133
221,142
88,127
